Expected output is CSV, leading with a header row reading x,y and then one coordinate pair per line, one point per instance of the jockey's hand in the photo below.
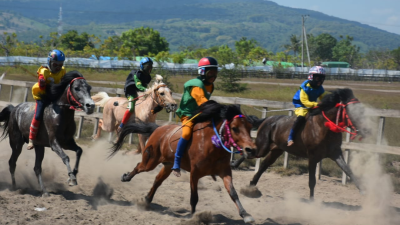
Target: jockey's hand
x,y
119,130
42,83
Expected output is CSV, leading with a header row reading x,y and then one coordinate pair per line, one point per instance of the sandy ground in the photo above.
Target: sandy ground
x,y
101,198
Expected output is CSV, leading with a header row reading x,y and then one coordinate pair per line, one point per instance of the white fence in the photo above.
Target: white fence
x,y
119,64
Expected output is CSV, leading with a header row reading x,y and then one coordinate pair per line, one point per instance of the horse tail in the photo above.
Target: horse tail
x,y
101,98
255,121
138,127
5,117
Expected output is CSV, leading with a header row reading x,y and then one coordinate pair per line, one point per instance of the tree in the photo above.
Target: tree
x,y
225,55
229,80
111,45
294,44
8,42
244,46
324,43
344,51
76,42
143,41
396,56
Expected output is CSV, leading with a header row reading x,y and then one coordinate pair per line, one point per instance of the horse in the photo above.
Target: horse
x,y
57,129
202,157
159,96
320,137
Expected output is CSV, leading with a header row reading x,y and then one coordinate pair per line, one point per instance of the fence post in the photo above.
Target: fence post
x,y
380,132
78,134
346,158
0,87
170,117
263,115
26,94
96,126
286,159
11,92
130,138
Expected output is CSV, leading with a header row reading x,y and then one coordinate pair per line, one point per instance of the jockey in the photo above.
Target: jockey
x,y
50,74
136,81
306,97
196,92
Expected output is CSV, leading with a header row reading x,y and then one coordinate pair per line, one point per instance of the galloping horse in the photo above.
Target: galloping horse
x,y
202,158
58,129
158,97
316,141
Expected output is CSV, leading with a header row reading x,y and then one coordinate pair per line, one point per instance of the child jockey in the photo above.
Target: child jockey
x,y
136,81
52,73
196,92
306,97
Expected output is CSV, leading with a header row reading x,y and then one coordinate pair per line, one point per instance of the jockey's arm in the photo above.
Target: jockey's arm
x,y
305,101
41,79
138,84
198,94
321,96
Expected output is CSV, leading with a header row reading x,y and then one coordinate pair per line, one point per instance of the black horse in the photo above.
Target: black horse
x,y
58,127
315,141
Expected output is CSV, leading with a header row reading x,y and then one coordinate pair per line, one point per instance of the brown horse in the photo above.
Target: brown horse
x,y
158,97
316,141
202,158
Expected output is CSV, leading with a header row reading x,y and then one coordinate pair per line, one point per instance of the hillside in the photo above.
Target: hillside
x,y
186,23
10,22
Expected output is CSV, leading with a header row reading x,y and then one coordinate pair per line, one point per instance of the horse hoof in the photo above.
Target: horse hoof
x,y
251,192
45,195
249,219
72,182
124,179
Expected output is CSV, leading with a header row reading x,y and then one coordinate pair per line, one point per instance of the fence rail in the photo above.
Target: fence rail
x,y
265,104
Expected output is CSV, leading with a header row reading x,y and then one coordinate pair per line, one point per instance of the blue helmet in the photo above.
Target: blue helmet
x,y
144,61
55,56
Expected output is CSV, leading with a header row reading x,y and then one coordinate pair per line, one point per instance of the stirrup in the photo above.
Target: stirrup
x,y
290,143
30,145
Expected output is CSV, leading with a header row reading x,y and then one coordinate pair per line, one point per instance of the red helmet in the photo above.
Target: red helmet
x,y
205,63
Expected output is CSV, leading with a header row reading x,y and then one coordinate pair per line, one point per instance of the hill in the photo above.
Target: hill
x,y
186,23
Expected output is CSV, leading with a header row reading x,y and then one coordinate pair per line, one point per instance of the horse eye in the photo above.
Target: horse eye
x,y
162,93
235,129
77,89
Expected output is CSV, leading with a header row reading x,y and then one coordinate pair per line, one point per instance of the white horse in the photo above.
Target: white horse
x,y
159,96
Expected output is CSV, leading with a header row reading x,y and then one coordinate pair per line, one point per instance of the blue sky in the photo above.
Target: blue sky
x,y
383,14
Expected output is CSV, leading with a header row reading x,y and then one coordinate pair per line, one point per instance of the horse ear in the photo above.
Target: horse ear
x,y
159,79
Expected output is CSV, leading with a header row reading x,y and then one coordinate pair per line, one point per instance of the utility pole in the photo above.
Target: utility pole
x,y
304,37
60,28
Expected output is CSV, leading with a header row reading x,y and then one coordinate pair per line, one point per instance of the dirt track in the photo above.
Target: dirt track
x,y
284,200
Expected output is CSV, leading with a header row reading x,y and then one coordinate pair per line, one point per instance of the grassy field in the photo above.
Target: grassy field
x,y
259,90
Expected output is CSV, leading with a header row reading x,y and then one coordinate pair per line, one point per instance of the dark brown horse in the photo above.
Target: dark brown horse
x,y
201,158
316,141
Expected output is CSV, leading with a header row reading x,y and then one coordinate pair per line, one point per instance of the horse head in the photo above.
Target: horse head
x,y
73,91
162,95
235,129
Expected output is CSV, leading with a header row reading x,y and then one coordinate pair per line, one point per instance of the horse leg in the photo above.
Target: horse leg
x,y
162,175
64,157
346,169
269,160
142,143
236,163
39,151
16,151
227,178
99,128
148,163
312,166
71,145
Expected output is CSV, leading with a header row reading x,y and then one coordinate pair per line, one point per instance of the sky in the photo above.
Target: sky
x,y
382,14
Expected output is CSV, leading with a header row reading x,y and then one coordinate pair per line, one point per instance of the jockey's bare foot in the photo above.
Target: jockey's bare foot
x,y
119,130
290,143
136,152
177,172
30,145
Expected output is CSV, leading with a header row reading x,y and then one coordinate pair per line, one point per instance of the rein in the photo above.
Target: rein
x,y
70,97
162,104
344,118
228,140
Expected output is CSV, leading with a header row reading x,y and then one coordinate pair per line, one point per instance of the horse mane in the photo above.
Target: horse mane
x,y
213,110
330,100
55,91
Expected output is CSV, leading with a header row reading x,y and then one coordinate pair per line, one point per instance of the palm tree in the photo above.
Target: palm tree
x,y
294,44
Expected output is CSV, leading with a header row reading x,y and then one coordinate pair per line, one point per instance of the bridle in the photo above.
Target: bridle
x,y
160,101
342,119
71,98
225,140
